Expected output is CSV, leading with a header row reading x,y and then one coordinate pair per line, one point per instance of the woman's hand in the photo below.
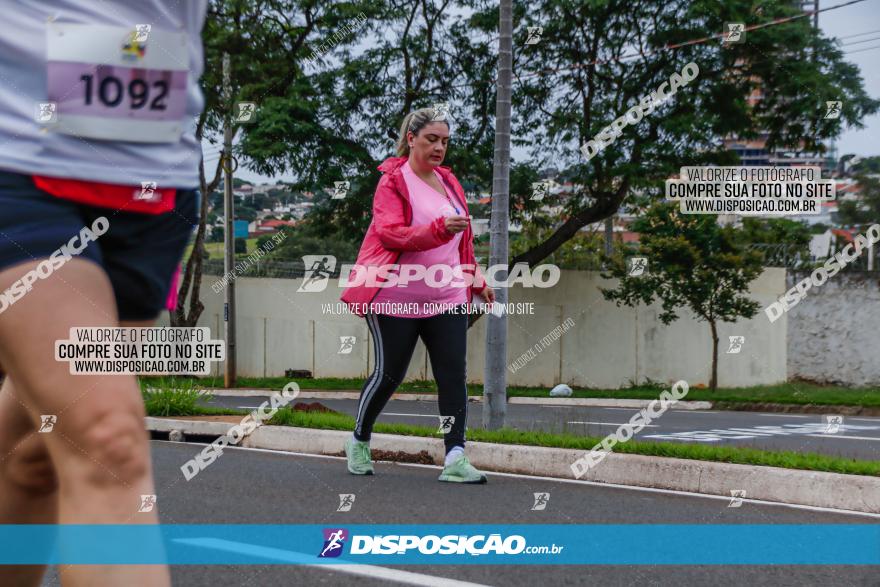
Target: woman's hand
x,y
488,295
456,224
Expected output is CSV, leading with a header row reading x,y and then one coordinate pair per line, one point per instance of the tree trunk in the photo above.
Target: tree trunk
x,y
495,374
713,382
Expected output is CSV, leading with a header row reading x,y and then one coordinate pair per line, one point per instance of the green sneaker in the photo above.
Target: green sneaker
x,y
462,471
358,454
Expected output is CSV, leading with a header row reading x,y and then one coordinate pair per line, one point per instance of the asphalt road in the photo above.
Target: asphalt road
x,y
856,437
259,487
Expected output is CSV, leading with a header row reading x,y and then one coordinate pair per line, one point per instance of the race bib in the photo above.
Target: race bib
x,y
117,83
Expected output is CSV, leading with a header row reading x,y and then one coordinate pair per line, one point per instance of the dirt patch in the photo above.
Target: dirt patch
x,y
313,407
397,456
797,408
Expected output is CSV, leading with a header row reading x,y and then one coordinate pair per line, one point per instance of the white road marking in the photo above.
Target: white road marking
x,y
352,568
845,437
725,498
610,423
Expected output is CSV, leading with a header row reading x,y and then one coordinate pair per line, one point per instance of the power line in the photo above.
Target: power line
x,y
857,35
862,50
862,41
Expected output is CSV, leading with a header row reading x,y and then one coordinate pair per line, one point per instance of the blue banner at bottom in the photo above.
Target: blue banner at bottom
x,y
428,544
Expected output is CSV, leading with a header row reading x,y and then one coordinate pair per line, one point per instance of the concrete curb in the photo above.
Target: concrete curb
x,y
427,397
811,488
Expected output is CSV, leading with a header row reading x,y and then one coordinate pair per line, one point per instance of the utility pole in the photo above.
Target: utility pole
x,y
495,378
229,214
609,235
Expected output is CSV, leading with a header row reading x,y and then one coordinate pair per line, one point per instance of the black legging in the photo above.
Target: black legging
x,y
394,339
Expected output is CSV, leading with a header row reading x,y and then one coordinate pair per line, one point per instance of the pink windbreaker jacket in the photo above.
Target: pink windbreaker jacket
x,y
390,233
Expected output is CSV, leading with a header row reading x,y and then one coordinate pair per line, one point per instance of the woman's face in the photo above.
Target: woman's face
x,y
429,146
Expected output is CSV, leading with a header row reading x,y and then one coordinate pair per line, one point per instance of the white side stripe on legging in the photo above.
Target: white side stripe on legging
x,y
376,380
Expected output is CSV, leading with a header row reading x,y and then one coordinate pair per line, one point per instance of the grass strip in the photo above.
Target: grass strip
x,y
720,454
796,393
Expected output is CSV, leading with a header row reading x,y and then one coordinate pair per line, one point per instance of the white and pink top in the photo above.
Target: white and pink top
x,y
427,205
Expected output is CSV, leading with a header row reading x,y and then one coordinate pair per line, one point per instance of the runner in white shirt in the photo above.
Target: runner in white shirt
x,y
98,102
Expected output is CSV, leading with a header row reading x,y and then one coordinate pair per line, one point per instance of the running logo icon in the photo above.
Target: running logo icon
x,y
148,502
833,423
47,423
832,109
541,500
446,424
540,189
736,498
147,191
636,266
346,345
318,269
346,500
736,344
47,112
735,33
245,112
441,111
340,189
535,33
334,542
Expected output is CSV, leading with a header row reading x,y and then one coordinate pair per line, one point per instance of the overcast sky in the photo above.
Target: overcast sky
x,y
847,22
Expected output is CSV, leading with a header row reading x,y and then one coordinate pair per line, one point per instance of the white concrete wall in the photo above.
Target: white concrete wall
x,y
833,331
608,346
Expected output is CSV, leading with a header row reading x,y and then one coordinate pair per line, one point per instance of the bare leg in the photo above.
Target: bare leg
x,y
98,446
27,479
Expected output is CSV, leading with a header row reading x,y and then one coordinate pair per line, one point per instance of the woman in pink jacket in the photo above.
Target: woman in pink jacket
x,y
421,238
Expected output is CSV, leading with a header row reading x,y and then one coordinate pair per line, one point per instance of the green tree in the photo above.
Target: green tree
x,y
596,60
693,263
865,212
